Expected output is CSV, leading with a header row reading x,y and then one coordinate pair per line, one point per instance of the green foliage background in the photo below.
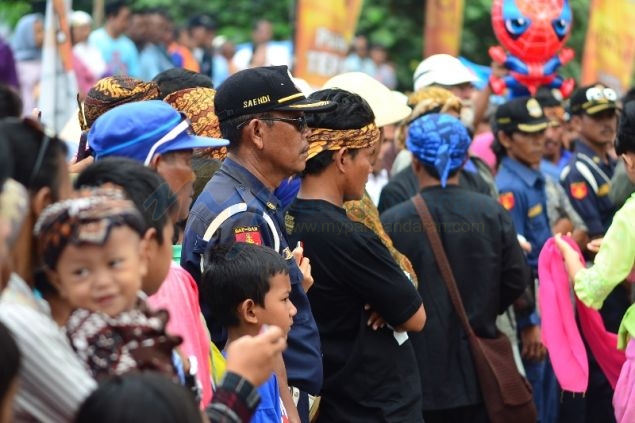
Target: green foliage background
x,y
397,24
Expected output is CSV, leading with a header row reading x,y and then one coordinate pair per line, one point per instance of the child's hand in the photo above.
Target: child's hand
x,y
305,266
562,245
254,357
375,320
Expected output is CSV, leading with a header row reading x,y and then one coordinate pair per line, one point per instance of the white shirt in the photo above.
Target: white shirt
x,y
375,184
53,382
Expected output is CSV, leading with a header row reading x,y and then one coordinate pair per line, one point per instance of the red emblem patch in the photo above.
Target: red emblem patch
x,y
248,234
579,190
507,200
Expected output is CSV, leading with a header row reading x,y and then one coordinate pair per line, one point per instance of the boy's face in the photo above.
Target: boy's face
x,y
524,147
278,309
103,278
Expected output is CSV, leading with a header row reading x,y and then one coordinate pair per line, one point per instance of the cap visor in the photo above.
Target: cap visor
x,y
307,105
600,108
533,127
193,141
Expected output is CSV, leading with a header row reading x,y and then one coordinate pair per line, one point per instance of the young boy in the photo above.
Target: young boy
x,y
94,253
247,286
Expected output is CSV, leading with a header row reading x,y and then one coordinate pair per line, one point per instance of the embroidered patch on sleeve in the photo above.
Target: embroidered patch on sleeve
x,y
604,190
248,234
507,200
535,210
578,190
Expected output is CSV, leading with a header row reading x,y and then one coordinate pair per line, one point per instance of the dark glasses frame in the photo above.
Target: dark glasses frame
x,y
300,123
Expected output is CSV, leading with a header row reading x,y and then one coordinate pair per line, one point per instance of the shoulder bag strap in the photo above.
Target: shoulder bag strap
x,y
442,261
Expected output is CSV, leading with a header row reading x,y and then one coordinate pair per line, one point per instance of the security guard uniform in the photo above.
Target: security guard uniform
x,y
236,207
587,181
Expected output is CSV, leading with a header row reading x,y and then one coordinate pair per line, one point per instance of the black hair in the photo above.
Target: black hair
x,y
352,112
10,102
25,140
230,131
233,274
139,397
176,79
113,7
143,186
9,361
625,141
433,172
629,96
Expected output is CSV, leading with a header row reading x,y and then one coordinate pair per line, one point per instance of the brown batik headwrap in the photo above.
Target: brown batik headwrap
x,y
323,139
424,101
111,92
198,105
85,220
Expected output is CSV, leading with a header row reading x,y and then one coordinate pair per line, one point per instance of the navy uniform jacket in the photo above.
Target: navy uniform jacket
x,y
232,185
587,181
522,193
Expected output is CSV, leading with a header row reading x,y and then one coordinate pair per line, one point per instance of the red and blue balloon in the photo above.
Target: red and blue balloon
x,y
532,34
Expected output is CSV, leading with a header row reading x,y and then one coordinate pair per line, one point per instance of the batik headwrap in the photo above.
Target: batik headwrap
x,y
111,92
424,101
440,141
85,220
323,139
198,105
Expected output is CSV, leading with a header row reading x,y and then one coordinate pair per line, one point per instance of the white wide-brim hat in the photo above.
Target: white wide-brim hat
x,y
388,106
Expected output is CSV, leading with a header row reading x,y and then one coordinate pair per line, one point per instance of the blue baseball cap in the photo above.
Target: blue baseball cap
x,y
142,129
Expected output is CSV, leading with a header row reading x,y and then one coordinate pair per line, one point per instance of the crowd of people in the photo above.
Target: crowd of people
x,y
230,245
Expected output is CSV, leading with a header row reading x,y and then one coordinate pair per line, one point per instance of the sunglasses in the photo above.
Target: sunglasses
x,y
299,123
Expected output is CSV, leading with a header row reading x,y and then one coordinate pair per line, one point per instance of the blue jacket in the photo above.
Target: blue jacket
x,y
259,221
587,181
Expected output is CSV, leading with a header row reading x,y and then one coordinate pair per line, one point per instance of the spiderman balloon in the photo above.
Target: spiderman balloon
x,y
532,34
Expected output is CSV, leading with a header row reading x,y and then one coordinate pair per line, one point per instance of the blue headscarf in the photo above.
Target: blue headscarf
x,y
439,140
23,40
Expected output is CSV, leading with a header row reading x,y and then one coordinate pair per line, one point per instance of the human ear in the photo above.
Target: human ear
x,y
41,200
247,311
143,256
504,139
256,126
341,159
575,123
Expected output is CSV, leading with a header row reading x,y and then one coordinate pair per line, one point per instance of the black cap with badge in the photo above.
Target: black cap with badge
x,y
521,115
592,99
260,90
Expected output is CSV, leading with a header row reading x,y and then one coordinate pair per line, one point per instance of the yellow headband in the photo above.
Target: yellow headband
x,y
323,139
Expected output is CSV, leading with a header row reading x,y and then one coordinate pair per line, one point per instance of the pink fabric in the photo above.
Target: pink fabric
x,y
481,147
179,295
624,396
559,326
559,330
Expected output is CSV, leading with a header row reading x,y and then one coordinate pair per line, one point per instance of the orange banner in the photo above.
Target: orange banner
x,y
324,30
442,32
609,50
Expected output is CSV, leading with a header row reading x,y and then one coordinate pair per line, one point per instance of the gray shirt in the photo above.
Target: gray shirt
x,y
53,382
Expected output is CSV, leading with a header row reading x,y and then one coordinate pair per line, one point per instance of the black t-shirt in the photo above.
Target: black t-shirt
x,y
490,269
368,376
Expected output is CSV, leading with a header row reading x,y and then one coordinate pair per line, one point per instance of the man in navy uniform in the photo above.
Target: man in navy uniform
x,y
521,126
261,112
587,177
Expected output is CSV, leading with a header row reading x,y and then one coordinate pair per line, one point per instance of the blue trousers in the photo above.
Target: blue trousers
x,y
545,389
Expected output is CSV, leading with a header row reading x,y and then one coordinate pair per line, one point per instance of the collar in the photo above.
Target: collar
x,y
528,175
249,181
583,148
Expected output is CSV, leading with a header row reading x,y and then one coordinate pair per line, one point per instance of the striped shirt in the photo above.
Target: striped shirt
x,y
53,382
